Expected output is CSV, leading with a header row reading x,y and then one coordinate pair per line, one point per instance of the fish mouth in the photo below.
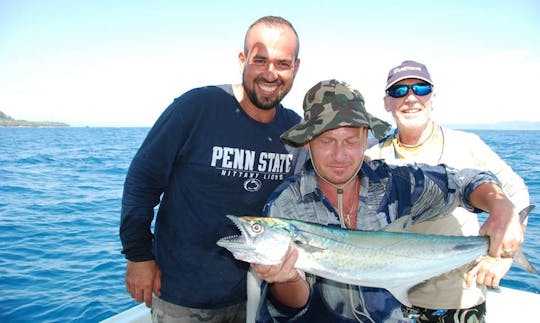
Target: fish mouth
x,y
238,241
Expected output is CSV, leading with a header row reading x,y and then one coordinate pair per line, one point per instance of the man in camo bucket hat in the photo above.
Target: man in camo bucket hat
x,y
337,187
332,104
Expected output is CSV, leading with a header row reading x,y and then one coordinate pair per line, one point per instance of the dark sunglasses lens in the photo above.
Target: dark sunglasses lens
x,y
398,91
421,89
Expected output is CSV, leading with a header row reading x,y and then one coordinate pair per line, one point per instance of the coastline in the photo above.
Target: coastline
x,y
7,121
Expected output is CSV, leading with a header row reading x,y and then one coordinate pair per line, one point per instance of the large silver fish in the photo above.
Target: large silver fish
x,y
395,261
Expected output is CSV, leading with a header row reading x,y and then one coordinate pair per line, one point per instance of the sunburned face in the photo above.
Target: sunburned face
x,y
338,153
269,65
411,112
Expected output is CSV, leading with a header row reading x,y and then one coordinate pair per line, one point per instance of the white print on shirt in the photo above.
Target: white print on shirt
x,y
243,163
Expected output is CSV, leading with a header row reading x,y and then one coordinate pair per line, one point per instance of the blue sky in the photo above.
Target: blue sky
x,y
121,63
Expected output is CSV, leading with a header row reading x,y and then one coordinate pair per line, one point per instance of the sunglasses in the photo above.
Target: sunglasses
x,y
399,91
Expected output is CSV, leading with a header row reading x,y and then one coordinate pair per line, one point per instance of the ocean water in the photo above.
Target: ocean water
x,y
60,194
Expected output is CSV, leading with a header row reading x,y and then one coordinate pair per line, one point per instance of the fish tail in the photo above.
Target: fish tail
x,y
523,262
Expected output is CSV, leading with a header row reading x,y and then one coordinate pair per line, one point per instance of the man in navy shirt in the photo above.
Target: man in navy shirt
x,y
214,151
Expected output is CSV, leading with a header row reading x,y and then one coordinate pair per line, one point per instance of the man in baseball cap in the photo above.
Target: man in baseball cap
x,y
419,138
408,70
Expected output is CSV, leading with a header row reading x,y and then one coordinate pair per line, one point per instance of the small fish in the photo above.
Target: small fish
x,y
395,261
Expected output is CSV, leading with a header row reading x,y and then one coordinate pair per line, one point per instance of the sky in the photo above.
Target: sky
x,y
122,62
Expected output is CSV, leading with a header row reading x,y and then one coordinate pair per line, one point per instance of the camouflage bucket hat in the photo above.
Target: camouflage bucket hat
x,y
332,104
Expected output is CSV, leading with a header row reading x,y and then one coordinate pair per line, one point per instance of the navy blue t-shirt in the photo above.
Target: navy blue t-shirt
x,y
204,158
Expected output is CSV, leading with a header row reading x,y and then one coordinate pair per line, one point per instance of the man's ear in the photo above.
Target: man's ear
x,y
242,62
387,103
296,66
433,101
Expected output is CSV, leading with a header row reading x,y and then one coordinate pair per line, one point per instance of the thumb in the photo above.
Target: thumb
x,y
157,283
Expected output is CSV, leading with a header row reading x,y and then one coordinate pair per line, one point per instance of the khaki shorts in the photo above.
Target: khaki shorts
x,y
165,312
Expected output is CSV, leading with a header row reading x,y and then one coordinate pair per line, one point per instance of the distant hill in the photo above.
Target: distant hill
x,y
7,121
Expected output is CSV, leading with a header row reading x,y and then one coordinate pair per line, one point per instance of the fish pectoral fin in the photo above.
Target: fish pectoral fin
x,y
307,247
401,294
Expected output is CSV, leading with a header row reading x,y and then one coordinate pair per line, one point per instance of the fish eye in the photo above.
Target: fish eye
x,y
256,228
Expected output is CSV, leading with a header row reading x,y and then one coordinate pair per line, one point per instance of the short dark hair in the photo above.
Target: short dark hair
x,y
272,21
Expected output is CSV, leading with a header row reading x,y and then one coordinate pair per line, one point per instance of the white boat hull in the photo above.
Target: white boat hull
x,y
508,305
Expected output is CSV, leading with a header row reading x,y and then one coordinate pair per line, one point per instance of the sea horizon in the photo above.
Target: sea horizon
x,y
507,125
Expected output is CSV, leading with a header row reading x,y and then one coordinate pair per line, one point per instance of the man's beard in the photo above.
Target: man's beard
x,y
264,103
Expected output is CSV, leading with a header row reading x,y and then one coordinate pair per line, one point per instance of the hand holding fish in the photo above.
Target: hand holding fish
x,y
503,225
282,272
505,232
488,271
286,281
